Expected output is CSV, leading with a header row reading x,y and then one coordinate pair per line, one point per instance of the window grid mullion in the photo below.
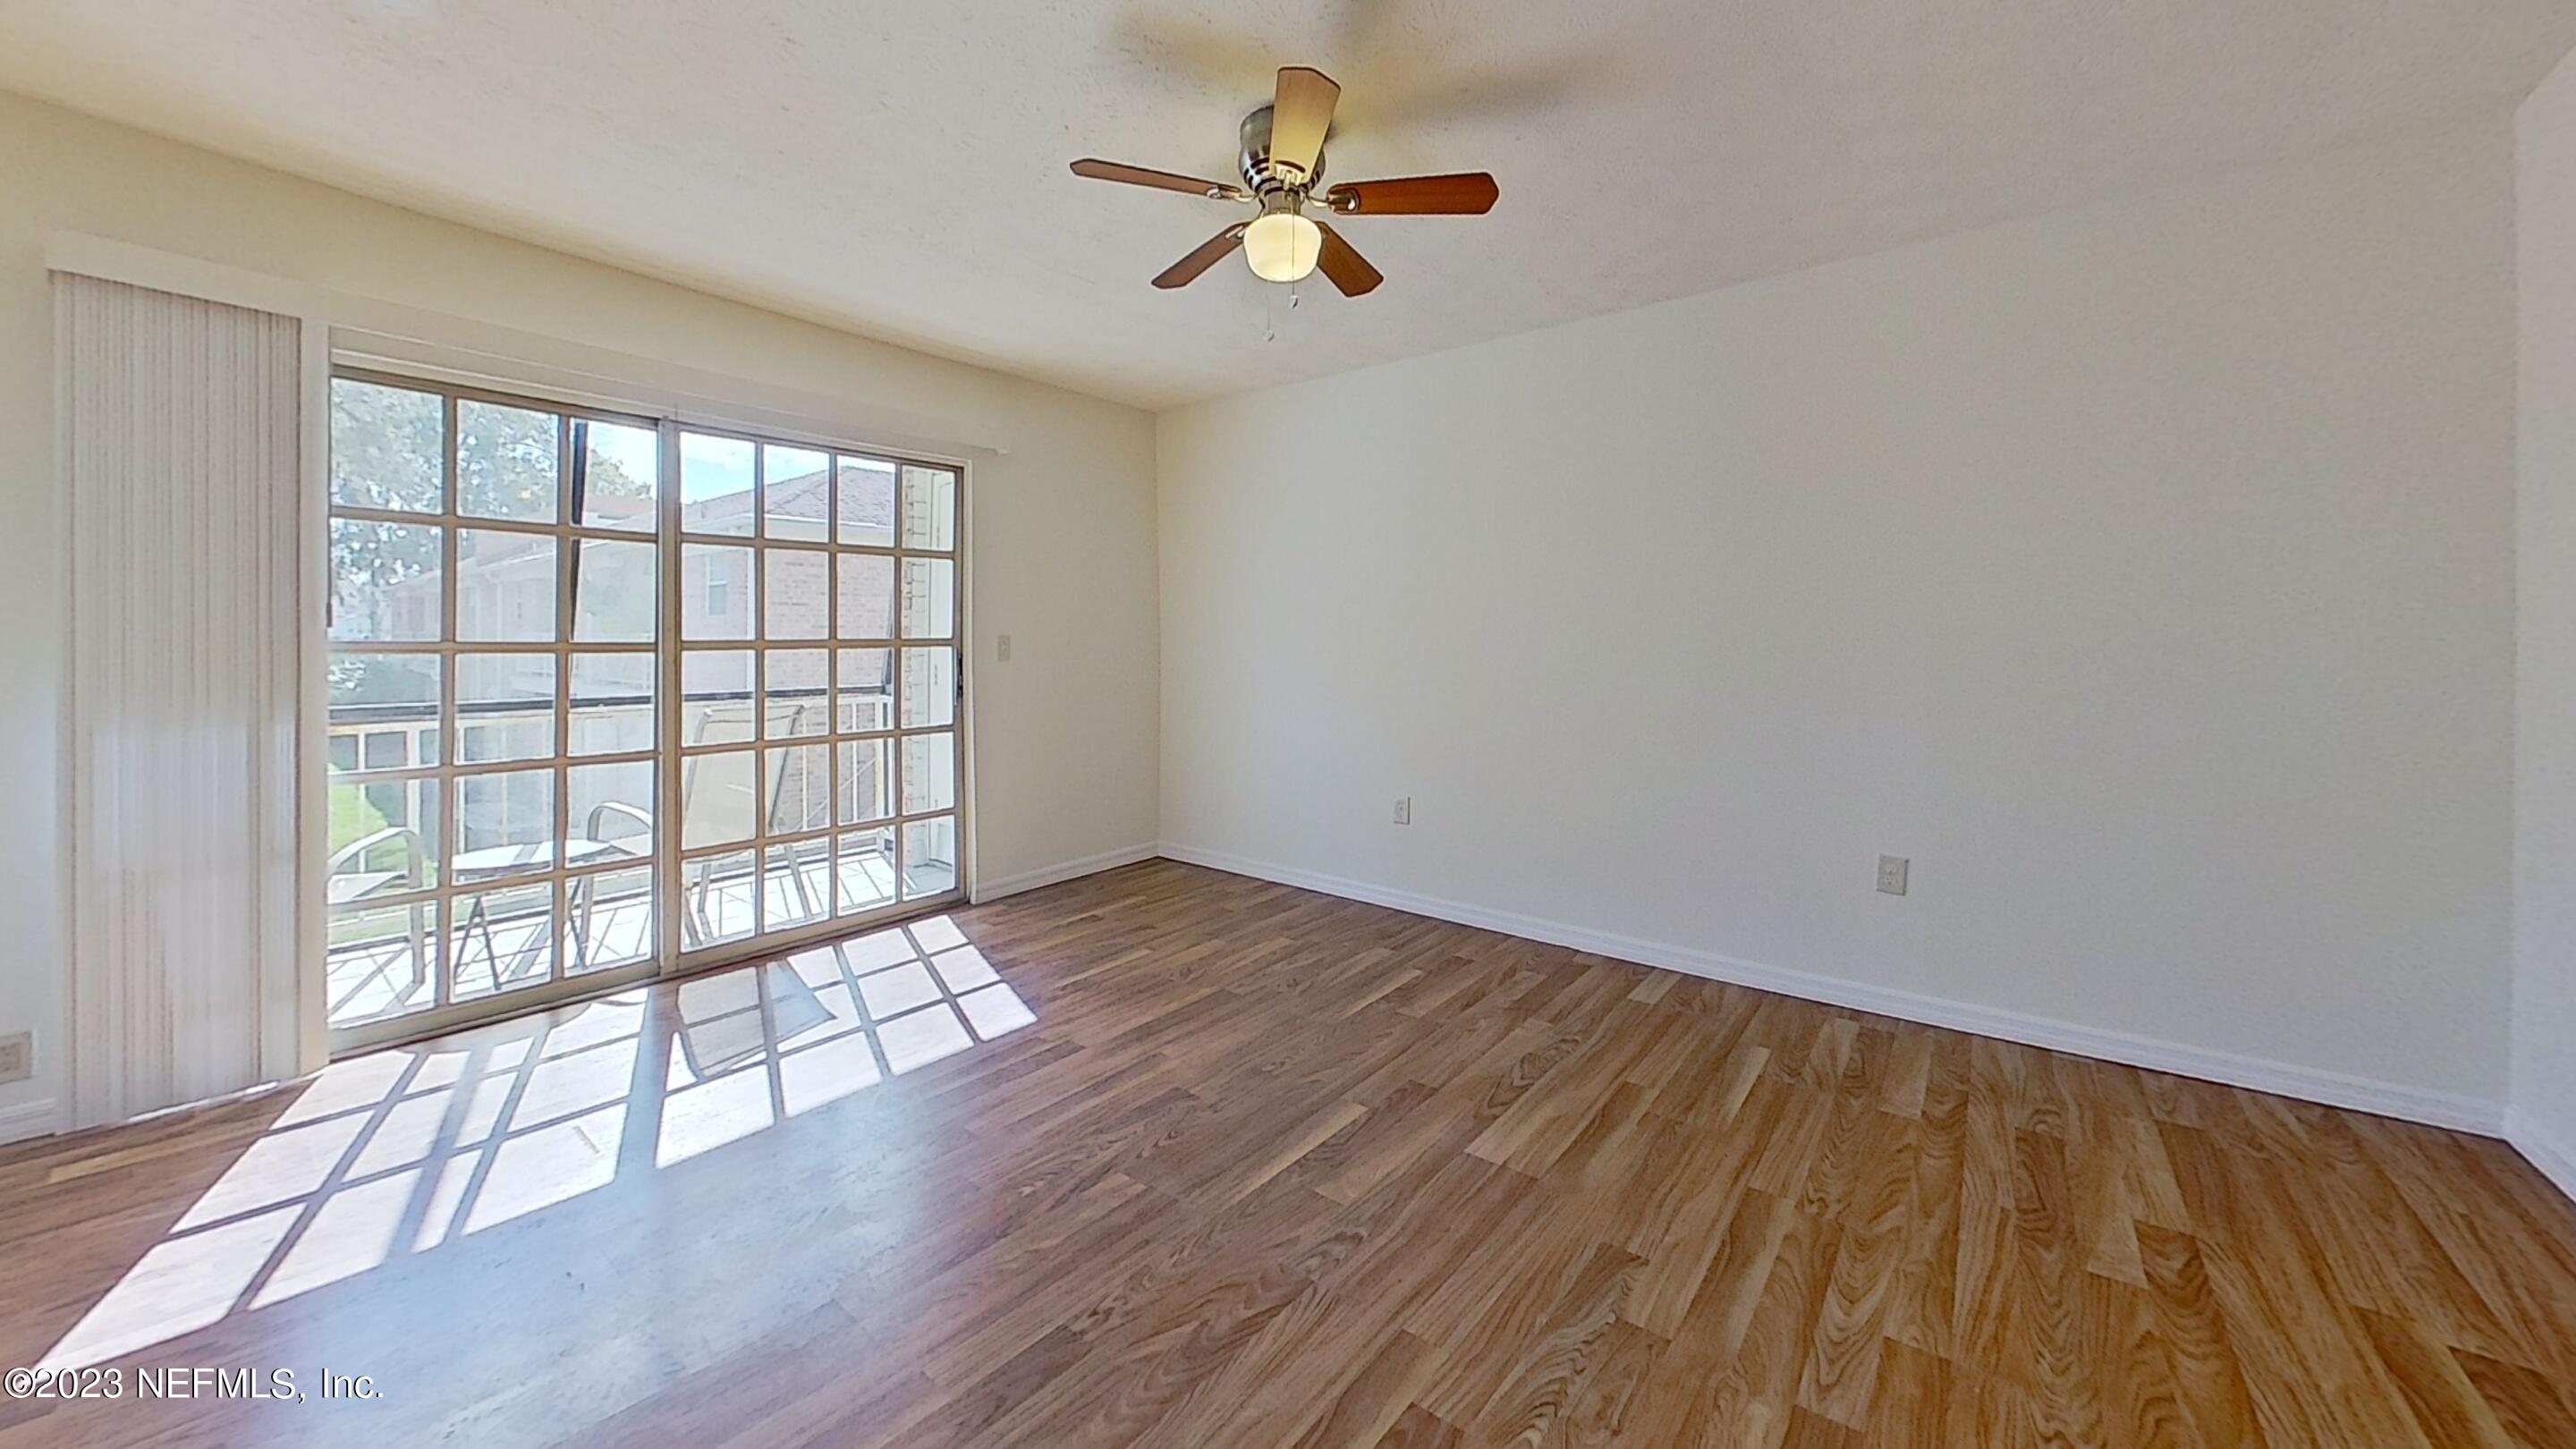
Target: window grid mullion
x,y
762,800
669,715
451,801
670,752
567,604
832,557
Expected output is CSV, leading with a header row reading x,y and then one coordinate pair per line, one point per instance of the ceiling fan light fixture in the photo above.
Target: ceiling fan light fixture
x,y
1282,246
1283,165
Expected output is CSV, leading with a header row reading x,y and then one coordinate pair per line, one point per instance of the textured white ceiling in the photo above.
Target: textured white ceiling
x,y
899,168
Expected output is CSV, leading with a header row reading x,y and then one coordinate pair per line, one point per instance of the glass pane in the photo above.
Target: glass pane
x,y
867,786
866,501
800,788
505,707
929,598
799,594
929,773
610,812
505,461
864,871
796,690
378,704
611,920
715,697
385,580
615,469
391,749
718,803
929,687
382,960
798,890
716,899
614,596
715,598
505,825
384,839
503,940
612,703
867,596
929,857
387,446
715,484
867,690
795,486
505,586
929,508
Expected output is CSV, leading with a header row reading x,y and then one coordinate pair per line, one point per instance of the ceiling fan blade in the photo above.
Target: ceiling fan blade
x,y
1099,170
1347,268
1467,193
1209,253
1300,113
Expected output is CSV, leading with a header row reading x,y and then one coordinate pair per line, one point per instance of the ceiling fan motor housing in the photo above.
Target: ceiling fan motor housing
x,y
1258,172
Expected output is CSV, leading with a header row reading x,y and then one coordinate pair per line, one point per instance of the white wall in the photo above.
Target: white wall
x,y
2144,573
1064,522
2544,1004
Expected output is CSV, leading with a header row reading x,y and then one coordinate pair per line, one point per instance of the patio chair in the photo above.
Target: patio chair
x,y
710,813
348,879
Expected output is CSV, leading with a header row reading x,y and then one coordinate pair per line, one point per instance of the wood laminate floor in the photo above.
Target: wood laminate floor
x,y
1174,1158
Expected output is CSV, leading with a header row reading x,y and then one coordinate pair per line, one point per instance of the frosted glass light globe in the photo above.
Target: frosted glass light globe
x,y
1282,246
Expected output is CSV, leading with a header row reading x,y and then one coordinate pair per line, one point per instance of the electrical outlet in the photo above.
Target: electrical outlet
x,y
1404,810
1002,648
1891,874
17,1056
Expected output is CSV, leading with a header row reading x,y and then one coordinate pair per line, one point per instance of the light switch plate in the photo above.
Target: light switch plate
x,y
1404,810
1891,874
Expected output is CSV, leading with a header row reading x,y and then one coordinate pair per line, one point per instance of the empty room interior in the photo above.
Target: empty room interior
x,y
1368,724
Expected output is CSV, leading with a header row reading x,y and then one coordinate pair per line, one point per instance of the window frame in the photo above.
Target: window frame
x,y
671,953
832,642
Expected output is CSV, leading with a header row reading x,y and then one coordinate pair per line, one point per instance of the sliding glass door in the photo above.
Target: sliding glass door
x,y
817,746
555,632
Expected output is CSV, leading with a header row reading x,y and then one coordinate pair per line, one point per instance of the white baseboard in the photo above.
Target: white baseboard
x,y
2333,1089
1029,880
2555,1159
29,1119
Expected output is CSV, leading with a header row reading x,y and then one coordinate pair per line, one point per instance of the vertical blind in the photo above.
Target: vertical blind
x,y
180,432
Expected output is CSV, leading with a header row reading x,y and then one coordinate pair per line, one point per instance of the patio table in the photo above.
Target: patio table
x,y
495,864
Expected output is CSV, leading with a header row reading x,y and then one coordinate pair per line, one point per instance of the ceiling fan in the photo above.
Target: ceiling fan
x,y
1283,165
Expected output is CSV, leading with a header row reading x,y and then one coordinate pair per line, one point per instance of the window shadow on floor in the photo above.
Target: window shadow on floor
x,y
402,1151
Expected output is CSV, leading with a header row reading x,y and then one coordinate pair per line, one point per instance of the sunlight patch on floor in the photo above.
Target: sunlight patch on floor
x,y
403,1150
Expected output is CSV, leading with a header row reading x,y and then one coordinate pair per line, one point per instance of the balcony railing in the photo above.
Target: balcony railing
x,y
501,937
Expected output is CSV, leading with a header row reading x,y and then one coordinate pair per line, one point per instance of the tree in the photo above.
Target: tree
x,y
387,446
